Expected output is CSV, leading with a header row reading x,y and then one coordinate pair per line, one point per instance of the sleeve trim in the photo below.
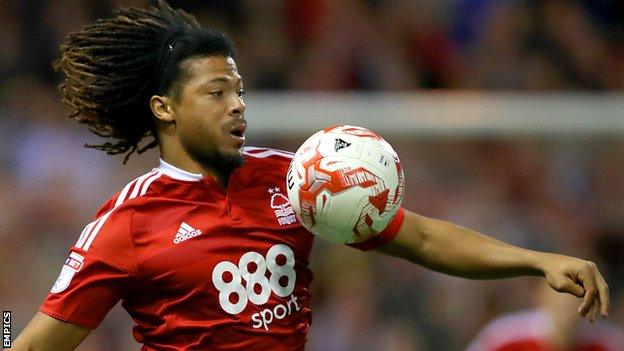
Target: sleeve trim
x,y
386,236
81,323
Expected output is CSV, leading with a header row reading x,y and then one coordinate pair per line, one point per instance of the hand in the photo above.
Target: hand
x,y
579,278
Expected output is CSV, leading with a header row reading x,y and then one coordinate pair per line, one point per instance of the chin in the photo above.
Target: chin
x,y
222,159
232,152
229,163
225,160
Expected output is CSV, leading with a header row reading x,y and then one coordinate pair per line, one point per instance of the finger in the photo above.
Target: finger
x,y
595,308
589,284
603,294
568,286
587,303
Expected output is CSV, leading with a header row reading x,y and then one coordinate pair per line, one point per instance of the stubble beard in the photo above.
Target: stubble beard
x,y
222,164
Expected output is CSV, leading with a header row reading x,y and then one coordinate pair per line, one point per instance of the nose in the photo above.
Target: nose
x,y
238,107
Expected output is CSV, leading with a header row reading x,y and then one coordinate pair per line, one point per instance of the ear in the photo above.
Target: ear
x,y
162,108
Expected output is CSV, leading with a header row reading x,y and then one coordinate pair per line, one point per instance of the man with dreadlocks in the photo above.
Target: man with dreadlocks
x,y
193,249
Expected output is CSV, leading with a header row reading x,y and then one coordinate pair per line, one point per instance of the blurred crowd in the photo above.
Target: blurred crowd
x,y
562,194
368,44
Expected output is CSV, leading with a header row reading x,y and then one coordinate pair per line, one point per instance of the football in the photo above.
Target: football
x,y
345,183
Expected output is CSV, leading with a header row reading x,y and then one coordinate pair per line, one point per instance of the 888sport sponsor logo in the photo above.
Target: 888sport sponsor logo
x,y
247,282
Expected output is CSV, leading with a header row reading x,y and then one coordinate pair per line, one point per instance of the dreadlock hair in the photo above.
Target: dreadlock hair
x,y
113,66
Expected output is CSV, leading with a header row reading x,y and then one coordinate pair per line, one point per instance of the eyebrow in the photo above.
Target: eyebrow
x,y
223,79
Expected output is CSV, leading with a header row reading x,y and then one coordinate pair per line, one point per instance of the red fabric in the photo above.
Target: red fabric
x,y
175,292
531,330
524,345
386,236
540,345
304,20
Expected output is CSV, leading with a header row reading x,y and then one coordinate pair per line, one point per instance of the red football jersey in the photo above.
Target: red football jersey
x,y
529,331
197,267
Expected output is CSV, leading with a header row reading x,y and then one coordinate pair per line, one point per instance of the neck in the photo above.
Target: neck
x,y
178,157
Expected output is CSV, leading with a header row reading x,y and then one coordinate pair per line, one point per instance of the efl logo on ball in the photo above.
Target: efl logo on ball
x,y
345,183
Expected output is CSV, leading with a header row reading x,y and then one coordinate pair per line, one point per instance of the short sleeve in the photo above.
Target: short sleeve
x,y
99,271
386,236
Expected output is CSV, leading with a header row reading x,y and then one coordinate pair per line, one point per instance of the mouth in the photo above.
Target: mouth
x,y
238,132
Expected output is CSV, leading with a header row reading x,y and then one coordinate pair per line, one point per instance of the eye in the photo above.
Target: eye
x,y
217,93
240,93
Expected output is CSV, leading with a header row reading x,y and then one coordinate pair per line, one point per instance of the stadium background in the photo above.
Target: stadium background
x,y
479,67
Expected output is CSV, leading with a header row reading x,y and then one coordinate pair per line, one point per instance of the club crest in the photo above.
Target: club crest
x,y
280,204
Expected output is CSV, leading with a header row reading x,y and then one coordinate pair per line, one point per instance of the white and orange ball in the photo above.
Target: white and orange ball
x,y
345,184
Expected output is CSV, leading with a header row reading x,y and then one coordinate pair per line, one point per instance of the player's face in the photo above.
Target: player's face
x,y
210,114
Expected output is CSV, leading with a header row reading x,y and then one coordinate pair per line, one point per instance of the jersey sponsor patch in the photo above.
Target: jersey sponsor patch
x,y
238,285
72,265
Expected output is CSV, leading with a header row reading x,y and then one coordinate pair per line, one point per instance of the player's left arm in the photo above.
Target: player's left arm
x,y
448,248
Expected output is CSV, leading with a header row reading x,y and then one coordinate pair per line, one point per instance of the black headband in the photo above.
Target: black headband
x,y
165,53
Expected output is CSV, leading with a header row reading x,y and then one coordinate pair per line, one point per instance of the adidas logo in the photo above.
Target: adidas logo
x,y
185,232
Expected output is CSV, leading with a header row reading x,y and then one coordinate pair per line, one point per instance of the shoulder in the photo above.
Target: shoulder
x,y
268,161
114,218
265,166
268,154
136,188
514,327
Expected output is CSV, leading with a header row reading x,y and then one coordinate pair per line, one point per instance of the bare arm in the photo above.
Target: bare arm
x,y
45,333
451,249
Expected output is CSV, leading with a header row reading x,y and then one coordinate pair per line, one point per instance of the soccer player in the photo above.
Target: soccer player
x,y
200,250
552,326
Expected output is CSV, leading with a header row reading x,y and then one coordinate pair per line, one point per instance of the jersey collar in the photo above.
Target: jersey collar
x,y
177,173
